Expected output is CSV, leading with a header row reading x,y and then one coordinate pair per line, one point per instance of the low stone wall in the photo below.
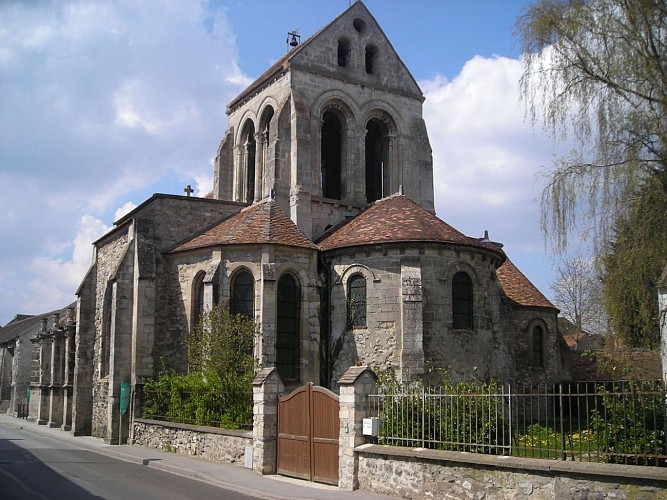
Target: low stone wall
x,y
419,473
209,443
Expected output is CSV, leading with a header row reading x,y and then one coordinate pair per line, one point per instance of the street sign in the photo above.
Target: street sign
x,y
125,390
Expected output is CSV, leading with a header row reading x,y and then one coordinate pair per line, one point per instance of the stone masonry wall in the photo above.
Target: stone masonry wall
x,y
267,264
100,408
378,344
447,475
110,253
482,352
524,319
215,445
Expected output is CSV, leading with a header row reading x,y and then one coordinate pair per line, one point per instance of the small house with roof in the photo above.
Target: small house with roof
x,y
321,226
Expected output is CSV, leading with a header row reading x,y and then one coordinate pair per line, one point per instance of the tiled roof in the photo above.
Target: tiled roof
x,y
519,289
261,223
397,219
27,324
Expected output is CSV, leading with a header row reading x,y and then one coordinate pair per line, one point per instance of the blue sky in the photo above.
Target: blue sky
x,y
103,103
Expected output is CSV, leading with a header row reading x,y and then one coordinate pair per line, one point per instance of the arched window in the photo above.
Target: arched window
x,y
243,294
288,328
376,160
246,185
371,55
356,301
331,156
538,347
267,156
462,301
197,298
343,52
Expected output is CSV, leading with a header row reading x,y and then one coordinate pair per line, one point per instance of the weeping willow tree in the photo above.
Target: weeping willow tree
x,y
595,73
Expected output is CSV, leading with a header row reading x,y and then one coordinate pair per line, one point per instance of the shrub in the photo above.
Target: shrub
x,y
457,417
218,389
631,423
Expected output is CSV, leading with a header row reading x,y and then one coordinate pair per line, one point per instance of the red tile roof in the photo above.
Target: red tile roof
x,y
519,289
397,219
262,223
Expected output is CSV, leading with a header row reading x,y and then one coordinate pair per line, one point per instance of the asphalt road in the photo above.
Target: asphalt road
x,y
33,466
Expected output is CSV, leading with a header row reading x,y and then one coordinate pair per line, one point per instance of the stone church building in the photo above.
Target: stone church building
x,y
321,226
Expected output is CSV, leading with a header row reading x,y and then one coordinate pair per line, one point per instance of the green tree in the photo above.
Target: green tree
x,y
633,265
218,389
223,343
596,70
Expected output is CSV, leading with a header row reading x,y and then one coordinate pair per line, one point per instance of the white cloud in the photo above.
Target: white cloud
x,y
485,155
57,279
102,103
124,210
204,185
487,159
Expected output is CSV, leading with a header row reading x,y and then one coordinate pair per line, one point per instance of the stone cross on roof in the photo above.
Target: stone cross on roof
x,y
188,190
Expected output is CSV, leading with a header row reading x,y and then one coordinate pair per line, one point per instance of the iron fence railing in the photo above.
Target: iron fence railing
x,y
614,422
231,410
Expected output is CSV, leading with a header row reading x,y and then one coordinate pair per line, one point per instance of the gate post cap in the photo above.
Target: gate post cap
x,y
353,373
264,375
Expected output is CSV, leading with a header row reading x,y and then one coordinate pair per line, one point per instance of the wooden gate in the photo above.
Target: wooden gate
x,y
308,431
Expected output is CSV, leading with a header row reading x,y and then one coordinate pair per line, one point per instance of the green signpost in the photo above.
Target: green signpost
x,y
125,391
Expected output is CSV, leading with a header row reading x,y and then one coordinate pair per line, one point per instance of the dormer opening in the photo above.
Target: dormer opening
x,y
343,52
371,55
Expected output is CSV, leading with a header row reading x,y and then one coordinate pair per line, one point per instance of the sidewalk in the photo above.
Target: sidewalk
x,y
230,476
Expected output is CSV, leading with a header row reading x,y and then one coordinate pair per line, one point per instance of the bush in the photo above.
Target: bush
x,y
218,389
456,417
632,422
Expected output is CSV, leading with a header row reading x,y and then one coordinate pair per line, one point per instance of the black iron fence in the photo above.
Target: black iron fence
x,y
231,410
614,422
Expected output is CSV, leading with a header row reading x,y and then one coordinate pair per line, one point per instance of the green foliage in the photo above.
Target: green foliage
x,y
198,399
541,441
628,427
594,70
538,441
218,389
223,342
456,417
623,423
632,422
633,265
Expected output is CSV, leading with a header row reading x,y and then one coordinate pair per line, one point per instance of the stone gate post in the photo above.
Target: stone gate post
x,y
355,386
266,388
